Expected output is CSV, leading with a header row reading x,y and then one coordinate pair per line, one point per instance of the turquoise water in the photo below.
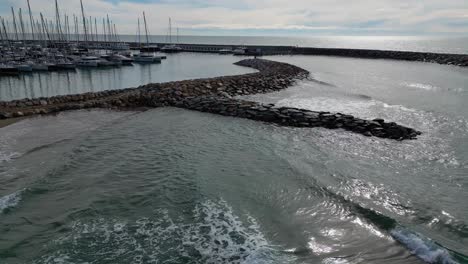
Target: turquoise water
x,y
175,186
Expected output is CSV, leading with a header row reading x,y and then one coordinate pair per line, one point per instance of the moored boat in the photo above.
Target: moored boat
x,y
146,58
8,70
88,61
172,49
240,51
225,51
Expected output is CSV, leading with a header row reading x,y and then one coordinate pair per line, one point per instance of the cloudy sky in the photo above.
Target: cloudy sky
x,y
272,17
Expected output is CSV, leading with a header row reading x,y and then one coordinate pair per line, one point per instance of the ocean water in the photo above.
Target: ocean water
x,y
175,186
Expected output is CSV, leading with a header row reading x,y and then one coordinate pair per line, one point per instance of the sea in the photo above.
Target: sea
x,y
170,185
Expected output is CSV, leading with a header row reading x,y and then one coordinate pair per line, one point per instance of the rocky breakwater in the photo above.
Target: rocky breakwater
x,y
295,117
440,58
215,95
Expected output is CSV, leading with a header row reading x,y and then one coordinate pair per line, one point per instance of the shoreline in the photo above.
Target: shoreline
x,y
11,121
214,95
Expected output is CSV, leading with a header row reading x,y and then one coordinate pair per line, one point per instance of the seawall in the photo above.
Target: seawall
x,y
440,58
215,95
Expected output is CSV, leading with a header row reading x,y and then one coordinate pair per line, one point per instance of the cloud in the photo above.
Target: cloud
x,y
385,17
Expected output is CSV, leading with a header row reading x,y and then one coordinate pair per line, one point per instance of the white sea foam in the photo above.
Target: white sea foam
x,y
214,234
8,156
423,86
422,247
10,200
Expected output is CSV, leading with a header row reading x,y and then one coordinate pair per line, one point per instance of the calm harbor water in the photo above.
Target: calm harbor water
x,y
176,186
175,67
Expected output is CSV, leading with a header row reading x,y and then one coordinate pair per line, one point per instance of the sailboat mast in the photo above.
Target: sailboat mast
x,y
91,35
14,23
170,31
58,26
46,37
139,33
104,29
31,19
67,26
95,29
1,33
75,21
146,29
84,21
21,24
116,35
5,30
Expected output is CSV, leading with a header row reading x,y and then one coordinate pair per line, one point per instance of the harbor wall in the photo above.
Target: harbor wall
x,y
440,58
218,96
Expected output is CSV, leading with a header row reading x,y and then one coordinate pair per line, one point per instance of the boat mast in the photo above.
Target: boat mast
x,y
170,31
139,33
58,22
22,24
95,29
1,34
5,30
91,34
84,22
75,21
146,29
116,35
46,37
41,32
67,27
109,30
31,19
14,23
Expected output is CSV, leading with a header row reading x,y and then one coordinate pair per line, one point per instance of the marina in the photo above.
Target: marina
x,y
124,141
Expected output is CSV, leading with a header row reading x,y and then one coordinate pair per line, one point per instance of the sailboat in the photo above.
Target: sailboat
x,y
147,47
171,48
145,57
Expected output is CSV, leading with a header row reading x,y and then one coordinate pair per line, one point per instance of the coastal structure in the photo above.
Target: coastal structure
x,y
215,95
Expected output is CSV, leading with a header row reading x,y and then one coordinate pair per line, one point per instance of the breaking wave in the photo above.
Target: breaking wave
x,y
9,201
216,235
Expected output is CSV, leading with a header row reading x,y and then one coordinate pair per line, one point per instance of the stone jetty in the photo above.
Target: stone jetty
x,y
216,95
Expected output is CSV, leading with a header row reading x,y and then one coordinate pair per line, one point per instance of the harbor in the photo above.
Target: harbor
x,y
33,43
57,45
146,131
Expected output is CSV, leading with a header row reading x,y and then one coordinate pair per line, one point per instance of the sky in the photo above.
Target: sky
x,y
270,17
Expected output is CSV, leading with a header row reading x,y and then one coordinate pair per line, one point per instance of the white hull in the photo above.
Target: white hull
x,y
40,67
87,64
24,68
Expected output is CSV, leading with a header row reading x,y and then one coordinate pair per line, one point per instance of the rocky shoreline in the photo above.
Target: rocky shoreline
x,y
215,95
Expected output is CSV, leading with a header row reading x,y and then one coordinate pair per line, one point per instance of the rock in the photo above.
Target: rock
x,y
18,114
5,115
379,120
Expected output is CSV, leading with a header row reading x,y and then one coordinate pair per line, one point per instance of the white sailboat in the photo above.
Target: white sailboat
x,y
171,48
145,57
